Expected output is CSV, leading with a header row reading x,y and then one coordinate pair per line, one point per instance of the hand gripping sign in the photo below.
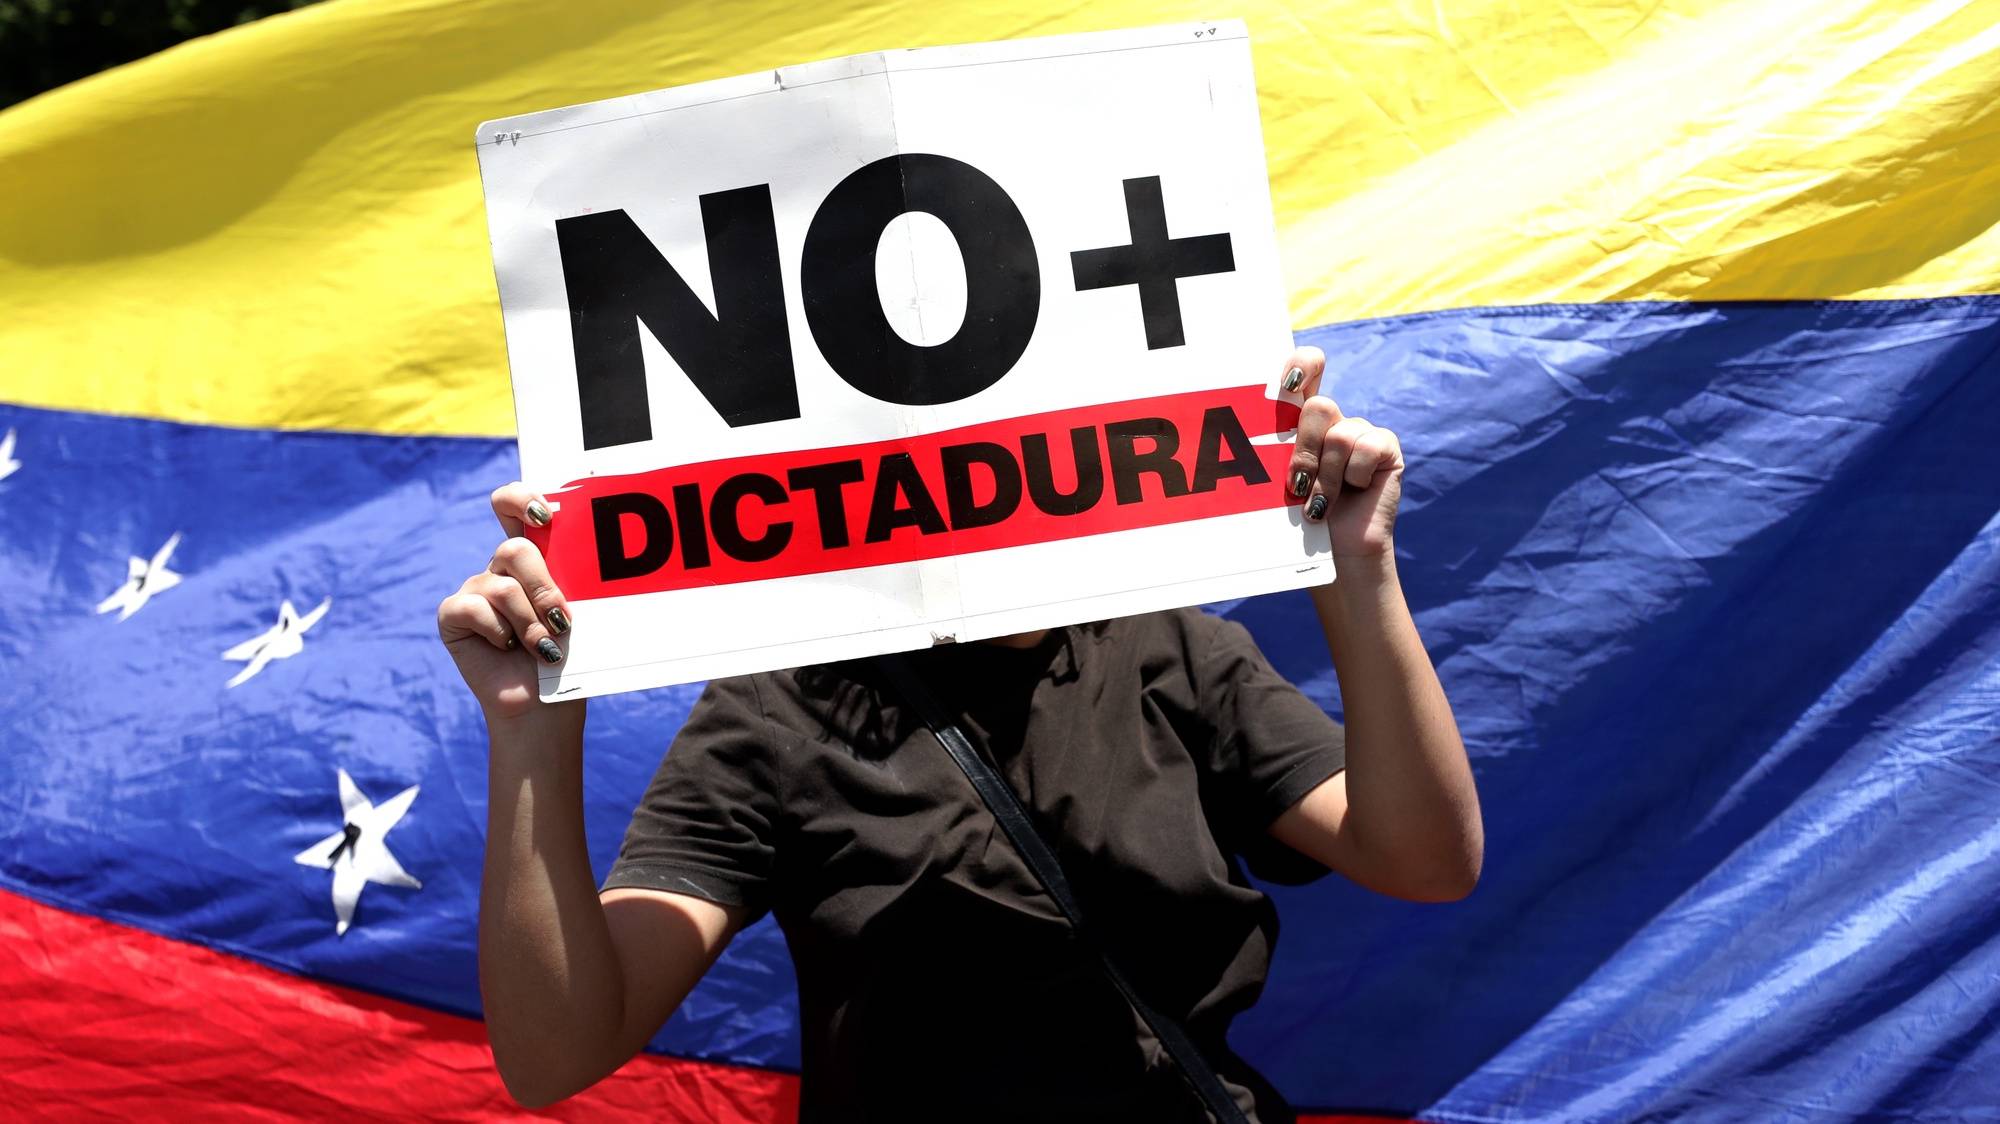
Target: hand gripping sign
x,y
885,351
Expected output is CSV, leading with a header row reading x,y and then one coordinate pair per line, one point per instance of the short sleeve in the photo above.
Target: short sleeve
x,y
706,824
1272,745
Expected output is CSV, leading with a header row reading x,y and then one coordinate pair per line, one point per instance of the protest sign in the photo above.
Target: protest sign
x,y
899,349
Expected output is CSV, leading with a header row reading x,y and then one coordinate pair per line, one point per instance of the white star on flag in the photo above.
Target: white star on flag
x,y
281,641
357,853
143,580
8,465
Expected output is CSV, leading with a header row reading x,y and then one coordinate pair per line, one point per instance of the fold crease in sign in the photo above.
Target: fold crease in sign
x,y
752,467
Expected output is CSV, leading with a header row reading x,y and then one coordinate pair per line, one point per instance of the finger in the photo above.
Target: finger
x,y
1302,370
1336,448
511,602
1375,451
516,505
521,560
1318,416
464,615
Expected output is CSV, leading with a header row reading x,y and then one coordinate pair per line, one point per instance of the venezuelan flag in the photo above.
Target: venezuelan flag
x,y
1686,311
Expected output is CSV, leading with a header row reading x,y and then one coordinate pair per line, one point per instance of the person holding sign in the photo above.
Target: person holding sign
x,y
1158,756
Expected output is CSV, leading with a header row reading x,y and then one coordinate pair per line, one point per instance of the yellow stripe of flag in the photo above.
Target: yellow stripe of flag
x,y
281,226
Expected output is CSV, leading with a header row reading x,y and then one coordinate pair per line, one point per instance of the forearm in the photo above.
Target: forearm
x,y
548,970
1412,813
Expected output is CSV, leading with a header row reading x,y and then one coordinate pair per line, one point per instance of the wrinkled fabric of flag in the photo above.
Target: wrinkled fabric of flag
x,y
1684,310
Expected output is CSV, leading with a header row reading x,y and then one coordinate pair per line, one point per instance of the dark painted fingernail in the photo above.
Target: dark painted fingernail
x,y
1293,378
548,649
1314,509
538,513
1301,483
558,620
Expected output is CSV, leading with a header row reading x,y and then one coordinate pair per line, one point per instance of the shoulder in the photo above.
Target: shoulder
x,y
1191,635
740,724
735,700
1179,658
727,728
1216,657
837,704
773,705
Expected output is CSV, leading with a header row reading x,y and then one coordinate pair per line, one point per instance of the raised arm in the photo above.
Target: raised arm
x,y
1403,817
573,984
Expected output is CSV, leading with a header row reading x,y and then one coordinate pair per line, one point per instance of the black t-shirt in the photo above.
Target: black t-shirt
x,y
936,980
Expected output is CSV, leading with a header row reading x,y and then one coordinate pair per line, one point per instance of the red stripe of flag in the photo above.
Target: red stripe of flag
x,y
103,1020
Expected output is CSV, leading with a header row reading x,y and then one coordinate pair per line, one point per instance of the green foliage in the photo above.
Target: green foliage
x,y
45,43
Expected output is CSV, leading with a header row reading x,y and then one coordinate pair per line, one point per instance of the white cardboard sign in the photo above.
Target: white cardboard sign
x,y
883,351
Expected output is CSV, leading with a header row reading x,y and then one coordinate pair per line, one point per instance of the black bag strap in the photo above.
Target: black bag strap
x,y
1006,808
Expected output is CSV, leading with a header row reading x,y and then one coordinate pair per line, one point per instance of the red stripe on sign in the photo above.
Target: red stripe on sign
x,y
101,1020
1093,470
